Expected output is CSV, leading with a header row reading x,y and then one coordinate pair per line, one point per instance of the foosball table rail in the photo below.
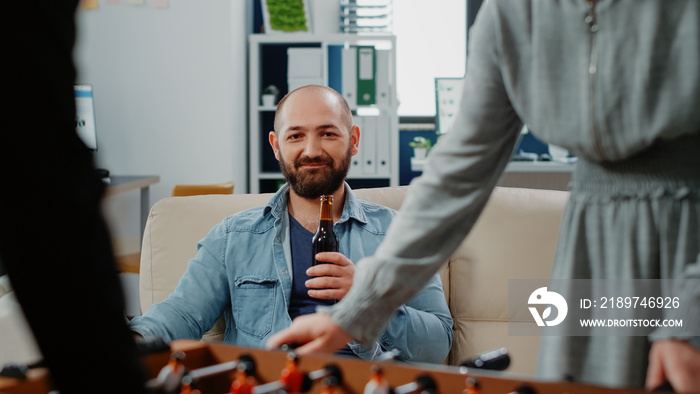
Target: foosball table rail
x,y
197,355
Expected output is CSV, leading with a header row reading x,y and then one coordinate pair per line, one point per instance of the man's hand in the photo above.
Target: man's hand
x,y
330,281
317,331
674,361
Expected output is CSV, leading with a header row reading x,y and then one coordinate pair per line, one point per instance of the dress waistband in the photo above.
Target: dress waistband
x,y
669,166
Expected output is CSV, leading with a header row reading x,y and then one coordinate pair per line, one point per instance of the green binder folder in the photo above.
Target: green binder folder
x,y
366,75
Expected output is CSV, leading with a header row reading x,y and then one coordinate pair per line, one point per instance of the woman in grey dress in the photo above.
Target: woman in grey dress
x,y
618,84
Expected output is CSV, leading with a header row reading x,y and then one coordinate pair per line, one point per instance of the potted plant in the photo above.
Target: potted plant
x,y
421,146
269,96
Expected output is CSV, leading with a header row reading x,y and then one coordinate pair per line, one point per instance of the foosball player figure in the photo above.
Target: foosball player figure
x,y
377,382
472,386
244,381
331,385
292,377
170,376
186,386
525,389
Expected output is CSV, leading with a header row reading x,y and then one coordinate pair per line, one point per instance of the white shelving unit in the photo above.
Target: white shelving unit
x,y
267,64
517,166
549,175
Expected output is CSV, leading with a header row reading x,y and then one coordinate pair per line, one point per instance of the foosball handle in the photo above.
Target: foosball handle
x,y
226,367
424,383
330,370
494,360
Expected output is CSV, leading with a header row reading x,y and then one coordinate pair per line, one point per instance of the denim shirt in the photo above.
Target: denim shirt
x,y
242,270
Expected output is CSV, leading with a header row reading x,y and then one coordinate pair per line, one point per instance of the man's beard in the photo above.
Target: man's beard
x,y
319,181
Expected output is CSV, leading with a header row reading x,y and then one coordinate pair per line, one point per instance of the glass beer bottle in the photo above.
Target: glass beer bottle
x,y
325,239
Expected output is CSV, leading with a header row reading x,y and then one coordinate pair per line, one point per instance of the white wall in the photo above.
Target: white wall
x,y
170,94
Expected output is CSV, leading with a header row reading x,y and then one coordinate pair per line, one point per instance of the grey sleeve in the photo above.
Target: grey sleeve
x,y
445,202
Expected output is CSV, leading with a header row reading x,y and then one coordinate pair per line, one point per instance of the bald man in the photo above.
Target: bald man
x,y
254,267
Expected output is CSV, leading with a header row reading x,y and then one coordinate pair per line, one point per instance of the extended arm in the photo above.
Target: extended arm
x,y
198,300
441,207
420,330
445,202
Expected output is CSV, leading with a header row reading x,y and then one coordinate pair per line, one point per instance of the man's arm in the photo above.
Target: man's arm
x,y
198,300
421,329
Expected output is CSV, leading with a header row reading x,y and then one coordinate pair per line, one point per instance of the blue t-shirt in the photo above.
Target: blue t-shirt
x,y
300,302
300,244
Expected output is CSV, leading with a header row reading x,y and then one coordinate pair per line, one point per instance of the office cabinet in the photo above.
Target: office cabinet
x,y
360,67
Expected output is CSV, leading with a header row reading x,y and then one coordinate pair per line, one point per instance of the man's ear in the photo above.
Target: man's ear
x,y
355,139
275,144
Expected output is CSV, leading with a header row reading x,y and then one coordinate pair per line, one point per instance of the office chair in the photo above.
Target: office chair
x,y
194,190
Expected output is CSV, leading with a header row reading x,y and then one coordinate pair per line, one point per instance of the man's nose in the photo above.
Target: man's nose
x,y
313,147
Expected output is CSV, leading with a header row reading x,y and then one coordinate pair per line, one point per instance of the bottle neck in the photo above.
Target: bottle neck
x,y
326,211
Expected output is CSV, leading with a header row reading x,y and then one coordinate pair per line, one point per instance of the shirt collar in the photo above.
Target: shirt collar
x,y
352,208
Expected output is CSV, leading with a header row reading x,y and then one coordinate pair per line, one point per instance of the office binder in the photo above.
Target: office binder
x,y
335,68
383,148
304,67
349,79
366,74
383,84
304,62
368,140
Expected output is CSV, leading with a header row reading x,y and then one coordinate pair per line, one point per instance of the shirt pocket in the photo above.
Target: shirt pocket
x,y
253,306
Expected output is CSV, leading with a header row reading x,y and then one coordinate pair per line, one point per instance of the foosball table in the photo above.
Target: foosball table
x,y
189,366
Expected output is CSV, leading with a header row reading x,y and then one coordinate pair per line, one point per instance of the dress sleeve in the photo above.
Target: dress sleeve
x,y
687,289
445,202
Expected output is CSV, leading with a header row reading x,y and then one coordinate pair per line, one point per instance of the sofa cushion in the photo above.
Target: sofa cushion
x,y
514,238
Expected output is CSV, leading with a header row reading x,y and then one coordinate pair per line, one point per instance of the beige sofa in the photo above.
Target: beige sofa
x,y
514,238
